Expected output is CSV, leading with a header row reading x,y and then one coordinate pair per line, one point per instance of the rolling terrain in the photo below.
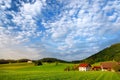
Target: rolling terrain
x,y
53,69
25,71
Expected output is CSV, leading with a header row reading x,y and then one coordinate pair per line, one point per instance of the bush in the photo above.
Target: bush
x,y
56,63
23,60
2,61
75,68
38,63
117,68
67,68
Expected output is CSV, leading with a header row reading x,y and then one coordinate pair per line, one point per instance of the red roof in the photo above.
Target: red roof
x,y
84,65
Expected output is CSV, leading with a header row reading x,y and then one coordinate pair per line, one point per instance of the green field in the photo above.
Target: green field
x,y
25,71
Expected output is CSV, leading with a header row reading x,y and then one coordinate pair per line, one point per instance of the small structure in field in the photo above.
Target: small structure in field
x,y
96,68
84,67
29,61
108,66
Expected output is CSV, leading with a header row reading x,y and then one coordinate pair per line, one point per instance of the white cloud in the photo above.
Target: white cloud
x,y
5,4
14,37
81,28
83,23
19,52
32,9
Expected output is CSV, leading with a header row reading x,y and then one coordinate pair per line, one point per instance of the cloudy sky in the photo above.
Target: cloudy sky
x,y
64,29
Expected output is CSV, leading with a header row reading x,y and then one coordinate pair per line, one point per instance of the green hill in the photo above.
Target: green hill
x,y
108,54
51,60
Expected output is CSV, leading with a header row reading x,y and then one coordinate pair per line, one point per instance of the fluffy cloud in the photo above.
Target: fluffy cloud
x,y
5,4
19,52
63,29
17,28
85,26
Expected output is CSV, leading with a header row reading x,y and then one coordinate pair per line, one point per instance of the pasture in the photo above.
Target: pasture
x,y
25,71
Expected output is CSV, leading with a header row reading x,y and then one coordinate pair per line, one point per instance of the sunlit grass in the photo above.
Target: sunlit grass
x,y
51,71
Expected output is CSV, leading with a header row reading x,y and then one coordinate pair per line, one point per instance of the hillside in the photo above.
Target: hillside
x,y
108,54
50,60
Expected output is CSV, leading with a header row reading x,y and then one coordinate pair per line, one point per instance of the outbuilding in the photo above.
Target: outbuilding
x,y
108,66
84,67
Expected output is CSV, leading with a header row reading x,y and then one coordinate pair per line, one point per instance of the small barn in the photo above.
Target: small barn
x,y
29,61
108,66
84,67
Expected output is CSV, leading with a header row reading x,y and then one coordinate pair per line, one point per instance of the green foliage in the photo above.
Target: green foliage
x,y
52,60
67,68
2,61
56,63
23,60
71,68
38,63
117,68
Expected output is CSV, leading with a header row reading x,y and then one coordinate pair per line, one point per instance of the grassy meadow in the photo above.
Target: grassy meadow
x,y
26,71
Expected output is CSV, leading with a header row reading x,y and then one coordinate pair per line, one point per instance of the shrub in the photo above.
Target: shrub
x,y
23,60
67,68
2,61
75,67
117,68
56,63
38,63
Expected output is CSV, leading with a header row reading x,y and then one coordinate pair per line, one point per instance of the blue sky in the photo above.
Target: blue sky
x,y
64,29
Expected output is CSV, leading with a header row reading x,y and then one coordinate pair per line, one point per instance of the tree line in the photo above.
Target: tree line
x,y
46,60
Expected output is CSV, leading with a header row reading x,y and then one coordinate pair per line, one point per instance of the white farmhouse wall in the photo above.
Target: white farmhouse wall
x,y
84,68
29,62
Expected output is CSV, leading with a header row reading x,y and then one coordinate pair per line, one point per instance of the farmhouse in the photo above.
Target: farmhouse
x,y
29,61
84,67
108,66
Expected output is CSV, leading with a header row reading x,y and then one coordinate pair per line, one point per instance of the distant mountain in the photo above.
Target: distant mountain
x,y
108,54
50,60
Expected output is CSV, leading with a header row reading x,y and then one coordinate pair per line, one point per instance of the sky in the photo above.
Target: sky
x,y
64,29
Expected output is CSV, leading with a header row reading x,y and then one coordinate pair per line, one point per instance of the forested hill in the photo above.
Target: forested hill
x,y
50,60
108,54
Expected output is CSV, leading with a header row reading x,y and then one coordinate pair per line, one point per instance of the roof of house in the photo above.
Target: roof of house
x,y
84,65
106,65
